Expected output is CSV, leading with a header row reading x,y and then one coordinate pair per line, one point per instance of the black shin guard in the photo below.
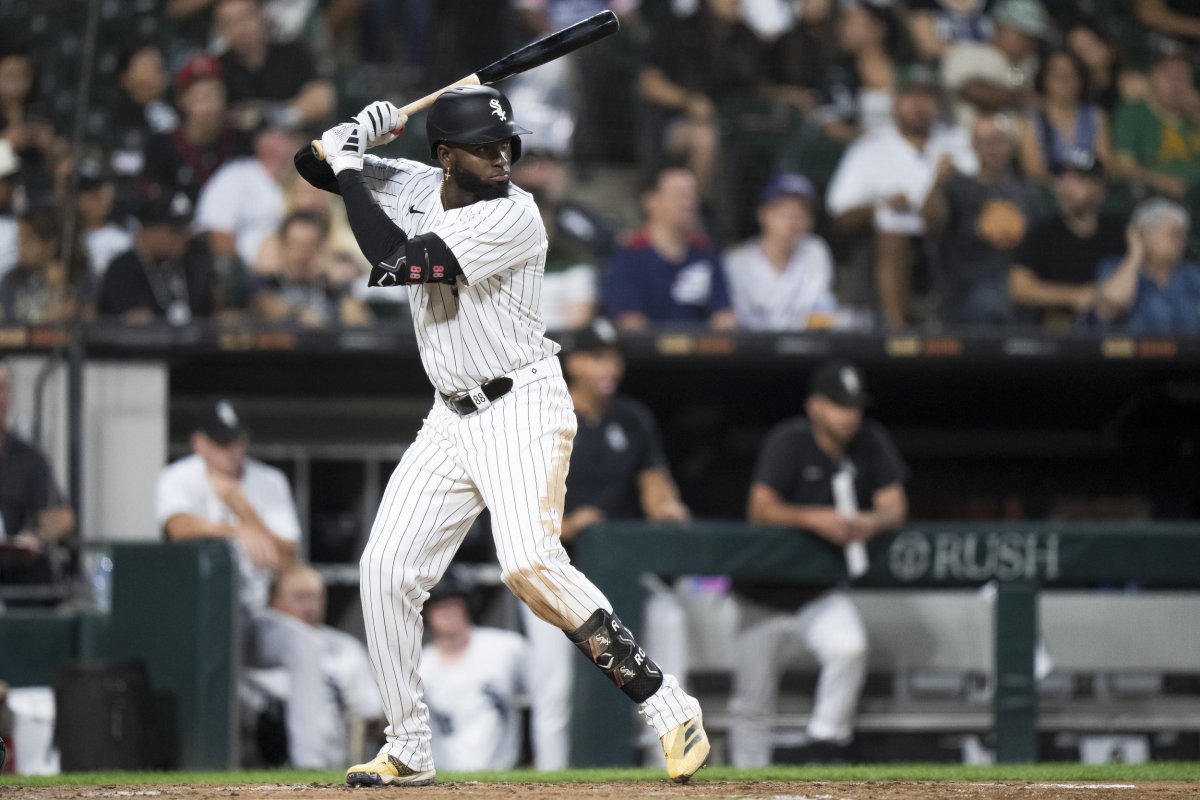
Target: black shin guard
x,y
610,646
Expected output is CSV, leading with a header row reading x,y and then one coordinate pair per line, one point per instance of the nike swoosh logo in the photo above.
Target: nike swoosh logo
x,y
413,210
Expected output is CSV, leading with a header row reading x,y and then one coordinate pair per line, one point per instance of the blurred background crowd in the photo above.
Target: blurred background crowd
x,y
751,164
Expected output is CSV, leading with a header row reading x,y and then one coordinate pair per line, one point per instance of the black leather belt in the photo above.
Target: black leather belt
x,y
464,404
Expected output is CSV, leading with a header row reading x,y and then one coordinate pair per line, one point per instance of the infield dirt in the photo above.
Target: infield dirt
x,y
741,790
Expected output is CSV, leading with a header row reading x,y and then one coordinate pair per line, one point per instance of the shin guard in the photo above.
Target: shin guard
x,y
610,646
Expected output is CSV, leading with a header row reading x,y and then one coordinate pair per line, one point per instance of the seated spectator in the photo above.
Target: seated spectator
x,y
1152,288
23,123
881,183
1157,138
41,288
34,516
103,238
782,280
472,678
140,110
10,164
184,159
978,220
579,240
268,82
856,95
1054,269
243,203
164,276
218,492
293,625
936,25
691,67
302,288
997,75
800,466
668,272
1065,123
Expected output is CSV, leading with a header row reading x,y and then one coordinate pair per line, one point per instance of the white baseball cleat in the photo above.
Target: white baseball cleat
x,y
388,771
686,748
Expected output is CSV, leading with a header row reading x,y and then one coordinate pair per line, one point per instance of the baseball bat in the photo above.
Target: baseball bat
x,y
556,45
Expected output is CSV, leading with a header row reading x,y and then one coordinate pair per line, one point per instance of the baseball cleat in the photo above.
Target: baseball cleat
x,y
388,771
686,748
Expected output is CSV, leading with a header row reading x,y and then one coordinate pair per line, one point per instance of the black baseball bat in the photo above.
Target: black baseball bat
x,y
556,45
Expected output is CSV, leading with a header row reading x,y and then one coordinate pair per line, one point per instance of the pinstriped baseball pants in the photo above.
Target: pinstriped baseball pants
x,y
511,457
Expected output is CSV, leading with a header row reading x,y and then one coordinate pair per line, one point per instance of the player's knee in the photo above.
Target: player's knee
x,y
849,648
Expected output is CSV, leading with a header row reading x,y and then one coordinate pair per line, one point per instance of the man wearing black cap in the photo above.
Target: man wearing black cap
x,y
841,479
472,677
1054,270
164,276
218,492
618,470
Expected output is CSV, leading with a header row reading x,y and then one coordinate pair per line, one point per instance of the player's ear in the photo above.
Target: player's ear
x,y
444,157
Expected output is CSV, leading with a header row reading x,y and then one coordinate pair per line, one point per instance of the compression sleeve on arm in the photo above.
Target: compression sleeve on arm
x,y
380,239
315,171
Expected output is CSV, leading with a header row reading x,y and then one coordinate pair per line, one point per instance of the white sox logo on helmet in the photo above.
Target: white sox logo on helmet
x,y
498,109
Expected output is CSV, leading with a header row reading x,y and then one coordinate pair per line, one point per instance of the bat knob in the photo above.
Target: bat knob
x,y
318,150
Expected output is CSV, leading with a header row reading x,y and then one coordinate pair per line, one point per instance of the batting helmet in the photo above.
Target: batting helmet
x,y
472,115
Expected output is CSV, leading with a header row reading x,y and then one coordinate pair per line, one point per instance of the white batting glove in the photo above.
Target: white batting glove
x,y
344,146
381,121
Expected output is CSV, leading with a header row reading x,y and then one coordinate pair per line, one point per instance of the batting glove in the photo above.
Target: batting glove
x,y
344,146
382,122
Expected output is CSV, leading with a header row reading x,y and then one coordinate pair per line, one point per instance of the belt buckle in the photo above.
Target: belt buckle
x,y
474,398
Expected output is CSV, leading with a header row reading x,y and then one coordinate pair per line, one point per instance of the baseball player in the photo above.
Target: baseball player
x,y
470,248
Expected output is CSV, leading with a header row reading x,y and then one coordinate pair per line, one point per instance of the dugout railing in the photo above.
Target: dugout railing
x,y
1021,560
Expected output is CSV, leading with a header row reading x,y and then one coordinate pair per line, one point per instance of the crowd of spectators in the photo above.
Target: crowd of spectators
x,y
939,144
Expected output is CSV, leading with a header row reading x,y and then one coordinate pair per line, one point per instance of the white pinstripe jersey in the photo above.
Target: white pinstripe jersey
x,y
491,324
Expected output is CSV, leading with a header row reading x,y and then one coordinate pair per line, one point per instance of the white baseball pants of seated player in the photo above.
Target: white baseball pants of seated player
x,y
767,640
512,457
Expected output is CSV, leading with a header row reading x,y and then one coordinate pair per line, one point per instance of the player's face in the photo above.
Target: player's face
x,y
840,423
598,372
227,459
448,617
302,595
482,170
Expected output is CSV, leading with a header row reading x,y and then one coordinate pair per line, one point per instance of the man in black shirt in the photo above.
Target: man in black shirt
x,y
271,82
165,276
618,470
33,515
801,466
1054,270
